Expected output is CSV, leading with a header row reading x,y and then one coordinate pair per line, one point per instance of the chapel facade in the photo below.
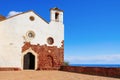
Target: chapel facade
x,y
30,42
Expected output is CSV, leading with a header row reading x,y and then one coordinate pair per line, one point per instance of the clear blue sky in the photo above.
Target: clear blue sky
x,y
92,27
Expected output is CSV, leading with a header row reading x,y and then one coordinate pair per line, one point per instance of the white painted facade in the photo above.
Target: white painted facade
x,y
13,34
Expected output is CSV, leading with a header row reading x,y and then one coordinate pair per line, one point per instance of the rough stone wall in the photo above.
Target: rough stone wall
x,y
100,71
48,57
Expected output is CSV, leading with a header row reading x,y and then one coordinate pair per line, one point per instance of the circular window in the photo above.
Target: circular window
x,y
32,18
50,40
30,34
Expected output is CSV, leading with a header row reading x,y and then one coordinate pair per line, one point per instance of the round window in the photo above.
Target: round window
x,y
30,34
50,40
32,18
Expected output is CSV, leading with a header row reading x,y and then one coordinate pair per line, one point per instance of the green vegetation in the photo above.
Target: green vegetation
x,y
66,63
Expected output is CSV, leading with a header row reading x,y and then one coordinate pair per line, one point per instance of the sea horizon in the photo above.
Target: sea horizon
x,y
97,65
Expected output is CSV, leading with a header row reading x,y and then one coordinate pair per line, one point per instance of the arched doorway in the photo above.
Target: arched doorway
x,y
50,61
29,61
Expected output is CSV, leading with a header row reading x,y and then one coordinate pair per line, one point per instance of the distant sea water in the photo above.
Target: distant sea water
x,y
98,65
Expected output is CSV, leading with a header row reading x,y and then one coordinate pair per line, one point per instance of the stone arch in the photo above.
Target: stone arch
x,y
56,15
34,54
50,61
29,61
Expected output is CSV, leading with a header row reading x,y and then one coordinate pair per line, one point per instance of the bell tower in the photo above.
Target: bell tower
x,y
56,15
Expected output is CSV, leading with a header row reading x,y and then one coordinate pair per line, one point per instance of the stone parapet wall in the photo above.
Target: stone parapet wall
x,y
100,71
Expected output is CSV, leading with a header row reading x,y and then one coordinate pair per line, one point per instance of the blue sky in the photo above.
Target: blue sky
x,y
92,27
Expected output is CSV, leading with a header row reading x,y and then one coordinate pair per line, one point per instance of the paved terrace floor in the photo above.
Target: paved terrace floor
x,y
48,75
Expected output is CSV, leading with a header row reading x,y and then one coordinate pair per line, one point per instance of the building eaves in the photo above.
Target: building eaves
x,y
24,13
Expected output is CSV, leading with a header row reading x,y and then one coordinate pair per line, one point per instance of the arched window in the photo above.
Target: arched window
x,y
56,16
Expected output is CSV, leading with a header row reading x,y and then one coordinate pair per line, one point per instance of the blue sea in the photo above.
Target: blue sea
x,y
98,65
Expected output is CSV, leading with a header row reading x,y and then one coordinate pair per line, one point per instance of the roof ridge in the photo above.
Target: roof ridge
x,y
20,14
24,13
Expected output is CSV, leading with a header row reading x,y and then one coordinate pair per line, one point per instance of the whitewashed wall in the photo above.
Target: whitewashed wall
x,y
13,29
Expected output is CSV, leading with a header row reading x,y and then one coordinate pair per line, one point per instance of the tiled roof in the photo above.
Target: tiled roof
x,y
2,18
55,8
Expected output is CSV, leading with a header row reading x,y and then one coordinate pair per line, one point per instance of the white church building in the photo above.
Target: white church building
x,y
27,41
